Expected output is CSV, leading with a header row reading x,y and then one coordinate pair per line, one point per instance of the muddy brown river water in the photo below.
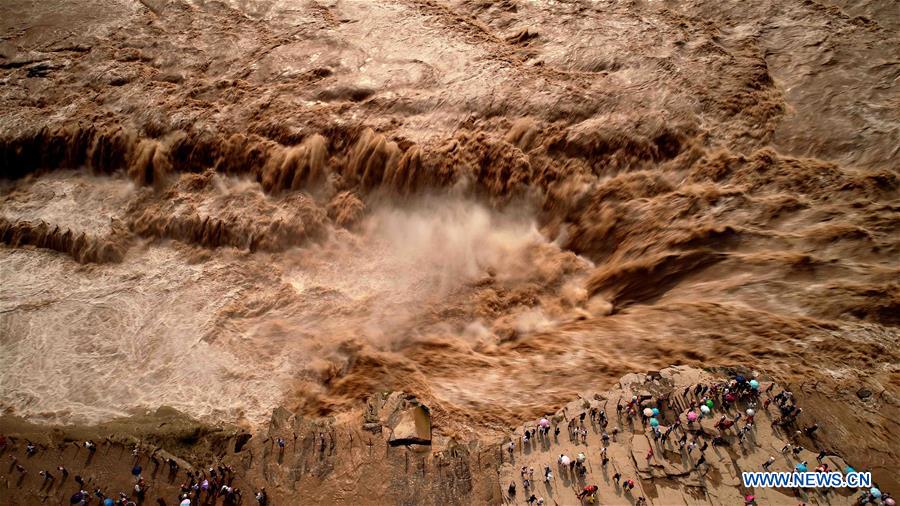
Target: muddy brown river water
x,y
229,206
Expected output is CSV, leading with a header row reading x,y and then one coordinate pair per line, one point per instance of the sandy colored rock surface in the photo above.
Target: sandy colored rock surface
x,y
344,461
671,475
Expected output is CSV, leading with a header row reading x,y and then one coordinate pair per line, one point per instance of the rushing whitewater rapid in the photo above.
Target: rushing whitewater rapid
x,y
226,336
227,207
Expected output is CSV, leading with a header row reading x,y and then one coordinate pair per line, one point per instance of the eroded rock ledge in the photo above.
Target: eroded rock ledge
x,y
385,453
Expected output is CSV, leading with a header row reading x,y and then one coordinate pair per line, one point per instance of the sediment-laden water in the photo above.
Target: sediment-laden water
x,y
229,206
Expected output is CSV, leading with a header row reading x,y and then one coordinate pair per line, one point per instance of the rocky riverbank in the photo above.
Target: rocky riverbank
x,y
387,452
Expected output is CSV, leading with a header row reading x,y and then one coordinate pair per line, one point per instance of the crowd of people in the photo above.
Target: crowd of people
x,y
674,421
213,485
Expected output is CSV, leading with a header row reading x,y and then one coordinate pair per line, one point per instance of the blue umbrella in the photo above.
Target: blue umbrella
x,y
740,379
655,412
654,422
801,467
849,470
108,502
875,492
136,470
754,384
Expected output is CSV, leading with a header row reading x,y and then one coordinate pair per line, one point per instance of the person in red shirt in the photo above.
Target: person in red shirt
x,y
588,490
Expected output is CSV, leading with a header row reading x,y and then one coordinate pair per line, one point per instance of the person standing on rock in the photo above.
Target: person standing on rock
x,y
743,433
768,463
588,490
617,477
140,489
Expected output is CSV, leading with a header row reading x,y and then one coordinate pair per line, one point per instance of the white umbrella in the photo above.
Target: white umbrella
x,y
564,460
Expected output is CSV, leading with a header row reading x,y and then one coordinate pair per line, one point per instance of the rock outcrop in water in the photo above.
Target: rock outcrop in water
x,y
79,245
